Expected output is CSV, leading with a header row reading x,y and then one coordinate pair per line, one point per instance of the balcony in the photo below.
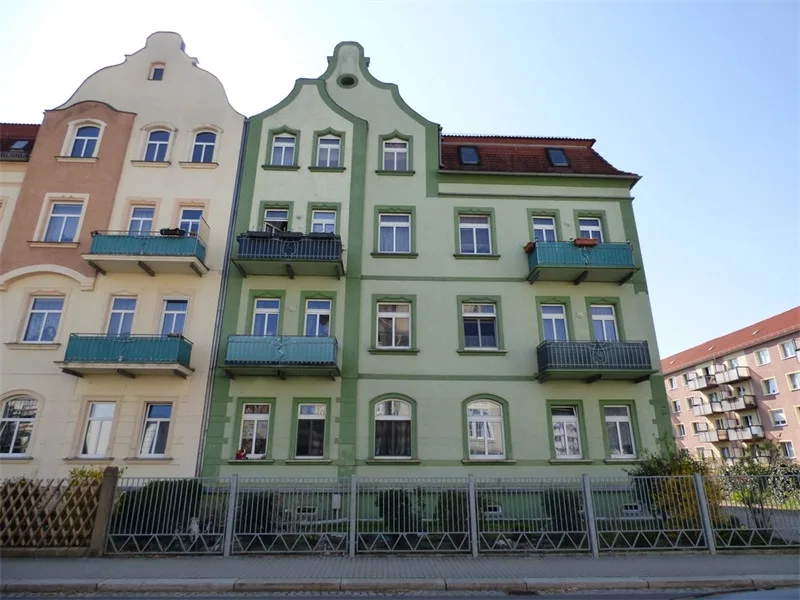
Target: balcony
x,y
704,408
751,432
154,252
128,355
289,253
702,382
281,356
591,361
713,435
733,375
564,261
733,403
15,156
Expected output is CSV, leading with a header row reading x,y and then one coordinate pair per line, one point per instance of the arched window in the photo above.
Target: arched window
x,y
157,144
393,429
85,142
204,143
485,430
16,425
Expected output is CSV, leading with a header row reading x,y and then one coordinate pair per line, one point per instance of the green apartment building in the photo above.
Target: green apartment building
x,y
386,314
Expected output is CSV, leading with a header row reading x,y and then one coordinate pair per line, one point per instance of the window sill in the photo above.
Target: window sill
x,y
280,167
32,346
163,164
252,461
12,458
308,461
622,461
396,173
571,461
88,459
500,461
477,256
481,352
198,165
77,159
36,244
148,459
326,169
392,461
392,351
394,254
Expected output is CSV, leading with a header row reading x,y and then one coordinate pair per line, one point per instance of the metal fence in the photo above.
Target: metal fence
x,y
353,515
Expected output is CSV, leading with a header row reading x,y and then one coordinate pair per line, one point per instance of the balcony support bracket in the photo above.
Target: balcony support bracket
x,y
241,270
195,269
290,271
144,267
228,374
72,372
642,379
339,271
626,279
533,277
593,378
125,373
282,375
96,268
579,279
179,373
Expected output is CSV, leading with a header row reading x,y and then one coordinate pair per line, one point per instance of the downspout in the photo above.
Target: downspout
x,y
226,266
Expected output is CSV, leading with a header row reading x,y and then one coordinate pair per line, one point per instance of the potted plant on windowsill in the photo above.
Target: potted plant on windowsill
x,y
582,242
529,247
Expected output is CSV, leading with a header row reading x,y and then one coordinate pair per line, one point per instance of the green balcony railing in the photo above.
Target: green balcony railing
x,y
281,350
265,245
142,349
593,356
567,254
150,243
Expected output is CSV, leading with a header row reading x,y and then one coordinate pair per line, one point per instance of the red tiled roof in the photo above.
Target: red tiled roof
x,y
506,154
18,131
780,325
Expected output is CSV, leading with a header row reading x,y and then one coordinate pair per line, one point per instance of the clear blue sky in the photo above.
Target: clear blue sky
x,y
699,98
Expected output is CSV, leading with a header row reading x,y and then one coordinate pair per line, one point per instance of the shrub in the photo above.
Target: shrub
x,y
452,511
396,508
257,512
563,508
161,507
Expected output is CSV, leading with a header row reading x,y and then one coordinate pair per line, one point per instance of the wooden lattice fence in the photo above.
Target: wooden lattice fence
x,y
48,513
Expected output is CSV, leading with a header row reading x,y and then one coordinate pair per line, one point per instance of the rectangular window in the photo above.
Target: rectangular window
x,y
590,227
155,430
266,314
395,233
16,425
480,325
685,377
672,383
620,432
141,222
794,381
788,349
485,429
544,229
554,322
173,321
734,362
787,449
475,235
394,325
770,386
468,155
318,318
276,220
719,424
323,221
395,155
762,356
698,427
62,223
748,421
557,157
725,452
283,150
190,220
120,321
310,431
680,430
604,325
701,453
328,151
676,406
98,429
43,320
255,430
778,417
156,72
566,432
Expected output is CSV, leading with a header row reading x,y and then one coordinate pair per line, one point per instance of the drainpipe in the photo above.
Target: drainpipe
x,y
223,289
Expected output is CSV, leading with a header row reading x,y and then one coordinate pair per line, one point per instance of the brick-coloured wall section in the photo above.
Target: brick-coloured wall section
x,y
46,175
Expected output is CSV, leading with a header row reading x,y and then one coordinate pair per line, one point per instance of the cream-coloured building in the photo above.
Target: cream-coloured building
x,y
110,273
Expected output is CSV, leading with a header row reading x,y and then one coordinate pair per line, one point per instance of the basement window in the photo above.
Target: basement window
x,y
557,157
468,155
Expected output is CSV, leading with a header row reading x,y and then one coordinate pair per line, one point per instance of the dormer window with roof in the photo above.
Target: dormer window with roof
x,y
557,157
157,72
468,155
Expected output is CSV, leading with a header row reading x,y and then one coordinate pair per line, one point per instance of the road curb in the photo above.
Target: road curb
x,y
50,585
585,583
725,581
166,585
510,584
393,585
287,585
776,580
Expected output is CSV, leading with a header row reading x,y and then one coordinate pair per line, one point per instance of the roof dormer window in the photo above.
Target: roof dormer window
x,y
156,72
468,155
557,157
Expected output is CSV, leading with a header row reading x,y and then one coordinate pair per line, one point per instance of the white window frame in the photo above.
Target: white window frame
x,y
595,230
681,433
473,228
266,311
268,222
158,143
618,420
767,391
256,418
673,384
158,421
393,316
787,349
676,406
323,217
479,317
50,216
46,312
565,421
311,417
106,425
397,417
141,221
318,312
491,425
283,142
193,224
544,228
16,422
759,358
394,227
394,152
123,312
794,381
325,145
85,138
204,147
788,449
153,67
165,312
775,422
554,318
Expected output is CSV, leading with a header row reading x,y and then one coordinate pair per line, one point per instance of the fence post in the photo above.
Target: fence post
x,y
105,507
352,522
705,518
472,501
230,515
588,511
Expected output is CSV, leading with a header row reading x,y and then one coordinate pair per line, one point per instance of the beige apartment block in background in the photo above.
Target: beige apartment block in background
x,y
107,315
730,393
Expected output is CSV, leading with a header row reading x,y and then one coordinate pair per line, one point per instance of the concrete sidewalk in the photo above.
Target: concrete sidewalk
x,y
398,573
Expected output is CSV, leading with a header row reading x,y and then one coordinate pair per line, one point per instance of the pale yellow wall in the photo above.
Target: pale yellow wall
x,y
11,176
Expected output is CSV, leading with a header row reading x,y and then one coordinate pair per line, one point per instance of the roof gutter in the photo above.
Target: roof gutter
x,y
634,178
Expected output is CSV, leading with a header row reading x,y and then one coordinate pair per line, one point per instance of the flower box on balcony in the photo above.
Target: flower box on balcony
x,y
585,242
529,247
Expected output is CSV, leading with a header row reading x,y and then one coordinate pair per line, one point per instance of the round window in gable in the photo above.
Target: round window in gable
x,y
347,81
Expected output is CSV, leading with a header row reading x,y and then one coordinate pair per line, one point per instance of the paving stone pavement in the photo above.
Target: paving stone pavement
x,y
307,568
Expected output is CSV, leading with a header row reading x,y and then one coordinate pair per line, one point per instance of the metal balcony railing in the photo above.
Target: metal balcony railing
x,y
702,382
15,155
143,349
557,254
630,356
148,243
281,350
751,432
733,375
285,246
713,435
